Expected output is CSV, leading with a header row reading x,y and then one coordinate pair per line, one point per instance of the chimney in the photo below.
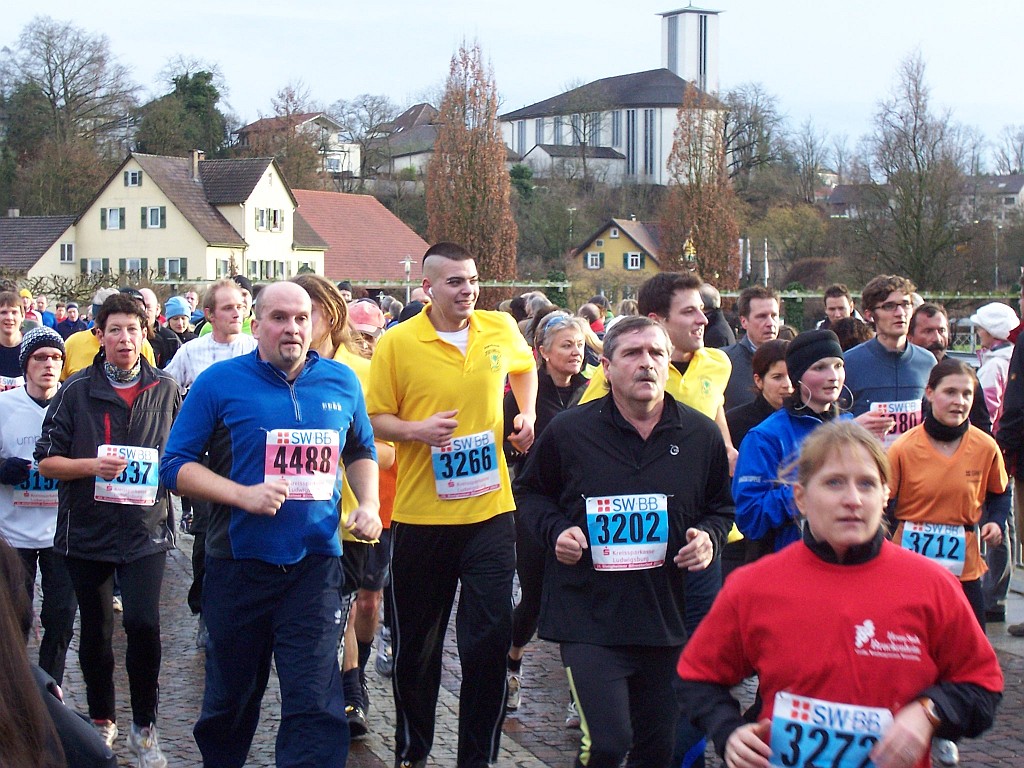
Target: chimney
x,y
13,213
197,156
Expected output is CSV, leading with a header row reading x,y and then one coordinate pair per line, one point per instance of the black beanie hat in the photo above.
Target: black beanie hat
x,y
808,348
36,339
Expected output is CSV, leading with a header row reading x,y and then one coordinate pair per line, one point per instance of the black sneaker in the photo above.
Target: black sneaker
x,y
357,723
366,695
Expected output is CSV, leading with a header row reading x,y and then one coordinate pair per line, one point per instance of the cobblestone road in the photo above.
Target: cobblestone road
x,y
535,736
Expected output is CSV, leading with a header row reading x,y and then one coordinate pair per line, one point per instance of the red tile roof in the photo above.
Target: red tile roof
x,y
365,240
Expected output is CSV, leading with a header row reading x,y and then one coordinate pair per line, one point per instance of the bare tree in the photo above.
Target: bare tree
x,y
295,146
809,148
912,222
1010,150
84,86
750,130
840,156
364,121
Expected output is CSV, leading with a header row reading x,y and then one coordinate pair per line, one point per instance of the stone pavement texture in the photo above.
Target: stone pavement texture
x,y
534,736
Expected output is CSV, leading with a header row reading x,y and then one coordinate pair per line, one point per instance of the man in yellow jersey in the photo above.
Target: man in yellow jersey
x,y
436,386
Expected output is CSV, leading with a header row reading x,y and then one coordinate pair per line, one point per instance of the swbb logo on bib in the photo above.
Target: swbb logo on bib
x,y
813,733
466,467
628,533
306,458
137,483
906,414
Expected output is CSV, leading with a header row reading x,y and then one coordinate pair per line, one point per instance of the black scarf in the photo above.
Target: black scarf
x,y
945,434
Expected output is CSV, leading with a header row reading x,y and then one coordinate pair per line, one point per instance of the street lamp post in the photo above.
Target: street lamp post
x,y
407,263
998,227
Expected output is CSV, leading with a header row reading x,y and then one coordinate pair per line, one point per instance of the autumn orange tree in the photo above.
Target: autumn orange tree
x,y
468,189
700,205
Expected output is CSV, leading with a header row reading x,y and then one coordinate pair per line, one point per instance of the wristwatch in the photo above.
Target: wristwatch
x,y
930,710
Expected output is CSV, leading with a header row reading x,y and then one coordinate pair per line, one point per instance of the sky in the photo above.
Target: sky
x,y
825,60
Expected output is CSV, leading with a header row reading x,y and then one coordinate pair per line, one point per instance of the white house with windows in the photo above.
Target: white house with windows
x,y
39,246
339,158
191,219
632,115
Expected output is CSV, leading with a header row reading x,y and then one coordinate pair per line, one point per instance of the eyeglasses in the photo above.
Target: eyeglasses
x,y
556,319
892,306
42,357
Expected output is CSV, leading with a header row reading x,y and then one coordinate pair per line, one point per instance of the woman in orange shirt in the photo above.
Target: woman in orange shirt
x,y
949,484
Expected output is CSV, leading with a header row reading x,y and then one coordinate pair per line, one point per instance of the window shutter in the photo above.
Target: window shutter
x,y
120,218
105,266
126,178
145,267
601,254
103,218
256,223
161,267
625,261
144,222
140,178
85,266
122,265
182,268
163,217
643,260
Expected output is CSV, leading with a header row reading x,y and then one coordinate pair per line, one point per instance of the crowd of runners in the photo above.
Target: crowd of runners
x,y
830,512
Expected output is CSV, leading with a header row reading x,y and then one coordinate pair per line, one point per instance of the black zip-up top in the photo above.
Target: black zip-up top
x,y
592,451
87,412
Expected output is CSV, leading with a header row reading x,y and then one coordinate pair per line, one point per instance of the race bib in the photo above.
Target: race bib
x,y
466,467
812,733
138,482
905,413
307,459
628,533
11,382
37,491
945,544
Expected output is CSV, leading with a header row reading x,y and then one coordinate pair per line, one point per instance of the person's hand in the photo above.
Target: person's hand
x,y
264,498
570,545
992,534
521,436
14,471
876,423
109,467
437,430
907,739
733,455
364,523
698,552
747,746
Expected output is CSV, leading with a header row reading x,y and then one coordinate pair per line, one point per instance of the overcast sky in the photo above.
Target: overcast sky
x,y
832,61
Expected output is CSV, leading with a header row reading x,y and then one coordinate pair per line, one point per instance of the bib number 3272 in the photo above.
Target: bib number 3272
x,y
466,467
813,733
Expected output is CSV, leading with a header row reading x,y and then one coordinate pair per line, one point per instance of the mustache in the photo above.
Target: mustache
x,y
647,375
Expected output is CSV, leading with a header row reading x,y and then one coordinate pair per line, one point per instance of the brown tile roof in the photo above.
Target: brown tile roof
x,y
304,237
173,175
24,239
419,114
366,241
275,124
231,181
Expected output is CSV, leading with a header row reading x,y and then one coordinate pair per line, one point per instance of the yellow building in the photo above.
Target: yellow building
x,y
614,261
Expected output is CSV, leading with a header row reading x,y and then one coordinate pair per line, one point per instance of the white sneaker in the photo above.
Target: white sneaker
x,y
118,604
143,742
572,716
515,691
945,752
107,729
385,661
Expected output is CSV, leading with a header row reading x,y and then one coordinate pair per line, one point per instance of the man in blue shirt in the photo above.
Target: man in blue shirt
x,y
278,422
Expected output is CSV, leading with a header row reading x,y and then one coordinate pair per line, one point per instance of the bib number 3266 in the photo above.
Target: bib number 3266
x,y
466,467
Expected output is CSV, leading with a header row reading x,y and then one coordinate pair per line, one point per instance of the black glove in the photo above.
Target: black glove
x,y
14,471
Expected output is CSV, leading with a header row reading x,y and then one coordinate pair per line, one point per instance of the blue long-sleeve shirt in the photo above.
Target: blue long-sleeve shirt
x,y
229,411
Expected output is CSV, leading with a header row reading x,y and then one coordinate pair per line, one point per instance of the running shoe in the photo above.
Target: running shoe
x,y
385,661
107,729
144,743
515,691
945,752
202,634
1017,630
358,726
572,716
118,605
